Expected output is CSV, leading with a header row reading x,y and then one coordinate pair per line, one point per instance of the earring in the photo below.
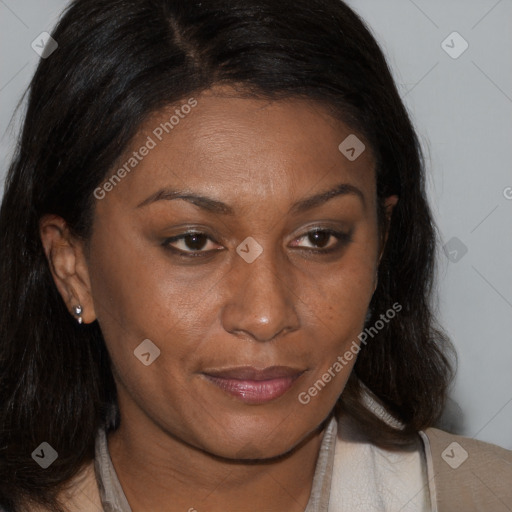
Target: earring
x,y
78,313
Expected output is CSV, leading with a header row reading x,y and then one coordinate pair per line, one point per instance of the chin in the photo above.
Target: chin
x,y
256,440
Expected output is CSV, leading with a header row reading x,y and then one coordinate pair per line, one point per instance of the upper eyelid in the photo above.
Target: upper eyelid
x,y
305,233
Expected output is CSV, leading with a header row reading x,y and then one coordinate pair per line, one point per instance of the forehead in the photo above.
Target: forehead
x,y
243,149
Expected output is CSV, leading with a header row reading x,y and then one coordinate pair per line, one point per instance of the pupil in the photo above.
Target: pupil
x,y
195,242
319,238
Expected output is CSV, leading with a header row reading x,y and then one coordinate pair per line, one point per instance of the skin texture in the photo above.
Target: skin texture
x,y
183,443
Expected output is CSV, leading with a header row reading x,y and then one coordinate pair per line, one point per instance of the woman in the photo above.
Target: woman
x,y
216,260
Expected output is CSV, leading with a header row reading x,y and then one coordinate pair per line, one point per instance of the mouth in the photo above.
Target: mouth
x,y
252,385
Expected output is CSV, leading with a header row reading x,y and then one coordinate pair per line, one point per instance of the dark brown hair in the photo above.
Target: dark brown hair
x,y
117,62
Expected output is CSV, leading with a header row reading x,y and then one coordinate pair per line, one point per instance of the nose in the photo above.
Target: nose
x,y
261,303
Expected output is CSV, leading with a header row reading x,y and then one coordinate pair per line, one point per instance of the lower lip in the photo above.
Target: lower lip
x,y
254,391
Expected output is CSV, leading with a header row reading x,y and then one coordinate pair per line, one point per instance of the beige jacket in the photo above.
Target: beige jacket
x,y
483,481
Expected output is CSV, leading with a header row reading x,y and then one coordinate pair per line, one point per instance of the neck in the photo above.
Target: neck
x,y
160,473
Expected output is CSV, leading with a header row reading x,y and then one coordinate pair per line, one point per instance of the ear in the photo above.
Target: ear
x,y
389,204
68,265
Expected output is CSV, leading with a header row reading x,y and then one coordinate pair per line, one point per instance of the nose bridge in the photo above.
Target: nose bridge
x,y
261,301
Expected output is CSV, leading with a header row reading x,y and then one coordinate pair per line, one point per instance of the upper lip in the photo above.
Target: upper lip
x,y
252,373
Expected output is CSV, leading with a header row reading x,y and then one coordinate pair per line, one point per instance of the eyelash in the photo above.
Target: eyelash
x,y
344,239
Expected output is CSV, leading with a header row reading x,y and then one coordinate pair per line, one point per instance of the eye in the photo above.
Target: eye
x,y
324,240
191,244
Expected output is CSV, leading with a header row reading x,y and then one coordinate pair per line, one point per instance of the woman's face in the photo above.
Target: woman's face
x,y
252,289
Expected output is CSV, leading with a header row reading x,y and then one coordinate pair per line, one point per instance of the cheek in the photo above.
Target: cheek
x,y
137,298
138,294
344,290
127,295
129,278
338,319
338,301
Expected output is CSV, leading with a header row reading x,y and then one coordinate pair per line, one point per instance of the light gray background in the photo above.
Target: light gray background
x,y
462,111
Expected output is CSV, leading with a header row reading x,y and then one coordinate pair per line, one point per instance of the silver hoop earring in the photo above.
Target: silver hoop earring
x,y
78,313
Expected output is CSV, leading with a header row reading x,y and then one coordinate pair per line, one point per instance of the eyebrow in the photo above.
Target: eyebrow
x,y
218,207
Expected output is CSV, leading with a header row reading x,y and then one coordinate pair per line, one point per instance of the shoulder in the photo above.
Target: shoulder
x,y
80,495
469,474
83,494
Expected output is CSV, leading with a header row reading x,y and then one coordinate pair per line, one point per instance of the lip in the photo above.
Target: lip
x,y
254,385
